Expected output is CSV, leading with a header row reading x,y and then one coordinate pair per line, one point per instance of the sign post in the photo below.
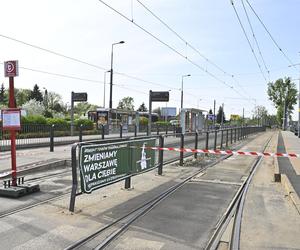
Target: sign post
x,y
11,70
155,96
76,97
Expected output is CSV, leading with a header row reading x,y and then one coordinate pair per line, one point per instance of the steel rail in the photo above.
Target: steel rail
x,y
234,209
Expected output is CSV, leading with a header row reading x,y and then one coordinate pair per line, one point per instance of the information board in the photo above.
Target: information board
x,y
79,97
11,119
103,164
162,96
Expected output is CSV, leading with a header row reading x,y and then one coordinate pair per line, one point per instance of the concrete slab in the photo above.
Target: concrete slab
x,y
270,220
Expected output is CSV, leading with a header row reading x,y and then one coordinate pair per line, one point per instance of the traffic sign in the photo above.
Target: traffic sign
x,y
11,68
161,96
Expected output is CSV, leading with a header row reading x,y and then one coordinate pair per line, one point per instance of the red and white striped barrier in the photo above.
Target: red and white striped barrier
x,y
225,152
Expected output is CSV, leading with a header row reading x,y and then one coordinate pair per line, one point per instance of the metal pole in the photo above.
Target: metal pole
x,y
72,114
74,178
196,144
299,109
52,138
222,115
215,141
12,104
206,141
80,132
150,113
214,114
222,134
181,106
181,147
111,76
161,155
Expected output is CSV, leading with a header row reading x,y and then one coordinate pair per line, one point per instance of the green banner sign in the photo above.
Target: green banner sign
x,y
106,163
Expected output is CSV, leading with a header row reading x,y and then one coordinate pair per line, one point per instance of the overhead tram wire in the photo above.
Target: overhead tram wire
x,y
255,39
270,35
171,48
189,45
247,38
78,61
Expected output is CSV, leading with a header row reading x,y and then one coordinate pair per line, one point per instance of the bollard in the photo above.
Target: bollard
x,y
148,131
196,144
52,138
231,136
127,183
103,131
121,130
234,134
135,130
157,130
80,132
160,156
226,138
181,147
166,129
222,134
206,141
215,140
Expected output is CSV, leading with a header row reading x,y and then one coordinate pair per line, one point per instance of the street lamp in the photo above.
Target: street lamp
x,y
182,89
111,72
104,87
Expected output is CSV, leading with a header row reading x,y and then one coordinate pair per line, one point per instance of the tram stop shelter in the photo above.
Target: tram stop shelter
x,y
192,120
111,119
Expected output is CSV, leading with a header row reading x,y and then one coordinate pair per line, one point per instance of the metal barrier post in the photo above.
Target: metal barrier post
x,y
103,131
215,140
80,132
222,134
206,141
121,130
196,144
160,156
226,138
135,130
127,183
181,149
166,129
148,131
157,129
234,134
74,178
52,138
231,136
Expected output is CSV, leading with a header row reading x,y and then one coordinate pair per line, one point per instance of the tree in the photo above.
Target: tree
x,y
219,115
283,93
82,108
260,114
36,94
210,112
127,103
3,95
22,96
34,107
142,108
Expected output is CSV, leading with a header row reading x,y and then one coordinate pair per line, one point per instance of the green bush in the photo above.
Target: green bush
x,y
162,123
87,124
34,119
57,122
143,121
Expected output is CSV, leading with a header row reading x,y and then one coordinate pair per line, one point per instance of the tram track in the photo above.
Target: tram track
x,y
235,211
111,231
60,196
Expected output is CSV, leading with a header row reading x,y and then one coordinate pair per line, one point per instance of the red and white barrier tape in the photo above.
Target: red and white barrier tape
x,y
225,152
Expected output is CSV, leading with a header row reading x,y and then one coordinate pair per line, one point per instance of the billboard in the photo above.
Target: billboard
x,y
168,111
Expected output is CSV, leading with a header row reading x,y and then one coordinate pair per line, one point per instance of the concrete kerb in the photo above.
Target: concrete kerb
x,y
38,167
290,191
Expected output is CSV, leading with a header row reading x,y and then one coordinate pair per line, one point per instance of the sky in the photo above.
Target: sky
x,y
221,65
